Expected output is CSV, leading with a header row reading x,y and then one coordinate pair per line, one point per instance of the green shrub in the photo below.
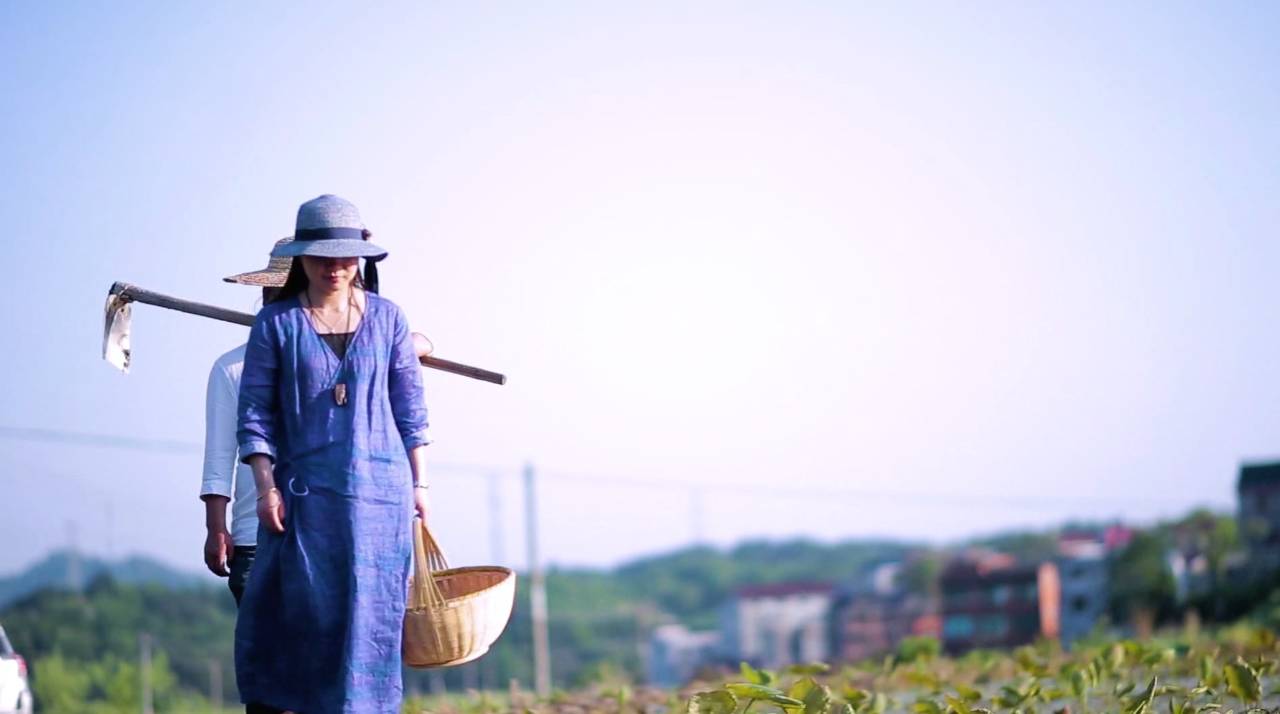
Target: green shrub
x,y
913,649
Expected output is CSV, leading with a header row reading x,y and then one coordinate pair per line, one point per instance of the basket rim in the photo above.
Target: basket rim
x,y
459,600
473,569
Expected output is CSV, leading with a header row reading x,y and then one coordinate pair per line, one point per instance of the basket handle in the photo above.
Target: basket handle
x,y
427,559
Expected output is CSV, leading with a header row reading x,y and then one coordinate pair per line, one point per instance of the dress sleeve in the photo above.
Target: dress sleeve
x,y
405,388
258,389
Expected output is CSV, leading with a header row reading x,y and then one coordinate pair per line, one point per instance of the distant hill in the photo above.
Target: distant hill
x,y
596,616
692,583
56,571
688,583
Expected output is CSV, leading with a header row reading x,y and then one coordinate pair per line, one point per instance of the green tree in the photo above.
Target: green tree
x,y
1142,587
916,648
119,685
106,686
1224,539
920,574
61,687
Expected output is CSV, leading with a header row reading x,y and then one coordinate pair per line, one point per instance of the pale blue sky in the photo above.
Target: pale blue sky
x,y
916,270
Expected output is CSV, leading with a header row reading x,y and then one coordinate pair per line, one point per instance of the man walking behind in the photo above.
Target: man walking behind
x,y
229,553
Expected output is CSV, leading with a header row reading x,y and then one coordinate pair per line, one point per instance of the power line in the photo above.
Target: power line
x,y
793,490
789,491
167,446
110,441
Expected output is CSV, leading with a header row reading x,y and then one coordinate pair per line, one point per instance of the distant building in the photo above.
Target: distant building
x,y
1190,556
1258,492
776,625
1117,536
1084,581
676,654
872,614
871,624
993,603
1190,571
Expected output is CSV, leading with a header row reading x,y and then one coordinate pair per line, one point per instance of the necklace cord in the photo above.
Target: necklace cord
x,y
351,307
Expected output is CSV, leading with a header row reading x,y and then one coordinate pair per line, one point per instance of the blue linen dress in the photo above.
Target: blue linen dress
x,y
320,625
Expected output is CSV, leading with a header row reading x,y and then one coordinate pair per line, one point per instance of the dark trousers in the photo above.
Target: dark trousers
x,y
241,563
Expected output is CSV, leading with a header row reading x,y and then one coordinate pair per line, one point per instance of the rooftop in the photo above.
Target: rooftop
x,y
1259,474
784,589
961,572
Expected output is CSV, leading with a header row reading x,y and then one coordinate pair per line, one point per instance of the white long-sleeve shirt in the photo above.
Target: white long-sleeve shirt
x,y
224,475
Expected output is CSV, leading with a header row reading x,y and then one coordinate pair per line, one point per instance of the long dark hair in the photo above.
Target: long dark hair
x,y
297,281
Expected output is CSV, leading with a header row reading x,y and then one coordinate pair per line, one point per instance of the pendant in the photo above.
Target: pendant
x,y
340,394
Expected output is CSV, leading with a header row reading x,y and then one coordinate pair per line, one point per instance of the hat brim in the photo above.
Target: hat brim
x,y
259,278
330,248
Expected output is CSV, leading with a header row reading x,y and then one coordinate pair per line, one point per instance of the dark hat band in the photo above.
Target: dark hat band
x,y
309,234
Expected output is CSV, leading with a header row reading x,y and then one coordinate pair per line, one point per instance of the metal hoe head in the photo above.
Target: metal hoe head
x,y
117,325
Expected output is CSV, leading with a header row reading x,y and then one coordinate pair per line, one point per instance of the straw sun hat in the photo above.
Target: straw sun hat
x,y
272,276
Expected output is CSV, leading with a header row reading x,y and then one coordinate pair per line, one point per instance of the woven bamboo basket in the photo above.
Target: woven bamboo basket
x,y
454,614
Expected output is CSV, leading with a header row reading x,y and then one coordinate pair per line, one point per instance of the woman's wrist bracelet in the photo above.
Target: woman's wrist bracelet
x,y
268,492
422,486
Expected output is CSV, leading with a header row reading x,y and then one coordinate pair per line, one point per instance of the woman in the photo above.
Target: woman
x,y
333,424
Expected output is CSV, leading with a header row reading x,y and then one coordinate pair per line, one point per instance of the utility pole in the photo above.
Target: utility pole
x,y
643,620
497,539
537,591
144,665
697,515
497,556
471,676
75,578
215,683
111,530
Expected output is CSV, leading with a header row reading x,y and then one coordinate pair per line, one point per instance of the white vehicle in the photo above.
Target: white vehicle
x,y
15,695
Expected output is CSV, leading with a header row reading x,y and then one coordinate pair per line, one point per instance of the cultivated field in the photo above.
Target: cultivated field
x,y
1233,671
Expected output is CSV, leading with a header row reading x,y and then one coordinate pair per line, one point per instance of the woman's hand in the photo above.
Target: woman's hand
x,y
421,503
271,510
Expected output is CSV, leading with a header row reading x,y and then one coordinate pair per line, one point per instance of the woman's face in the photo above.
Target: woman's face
x,y
330,274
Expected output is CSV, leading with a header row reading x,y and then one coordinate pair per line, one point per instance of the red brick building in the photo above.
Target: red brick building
x,y
871,624
996,603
